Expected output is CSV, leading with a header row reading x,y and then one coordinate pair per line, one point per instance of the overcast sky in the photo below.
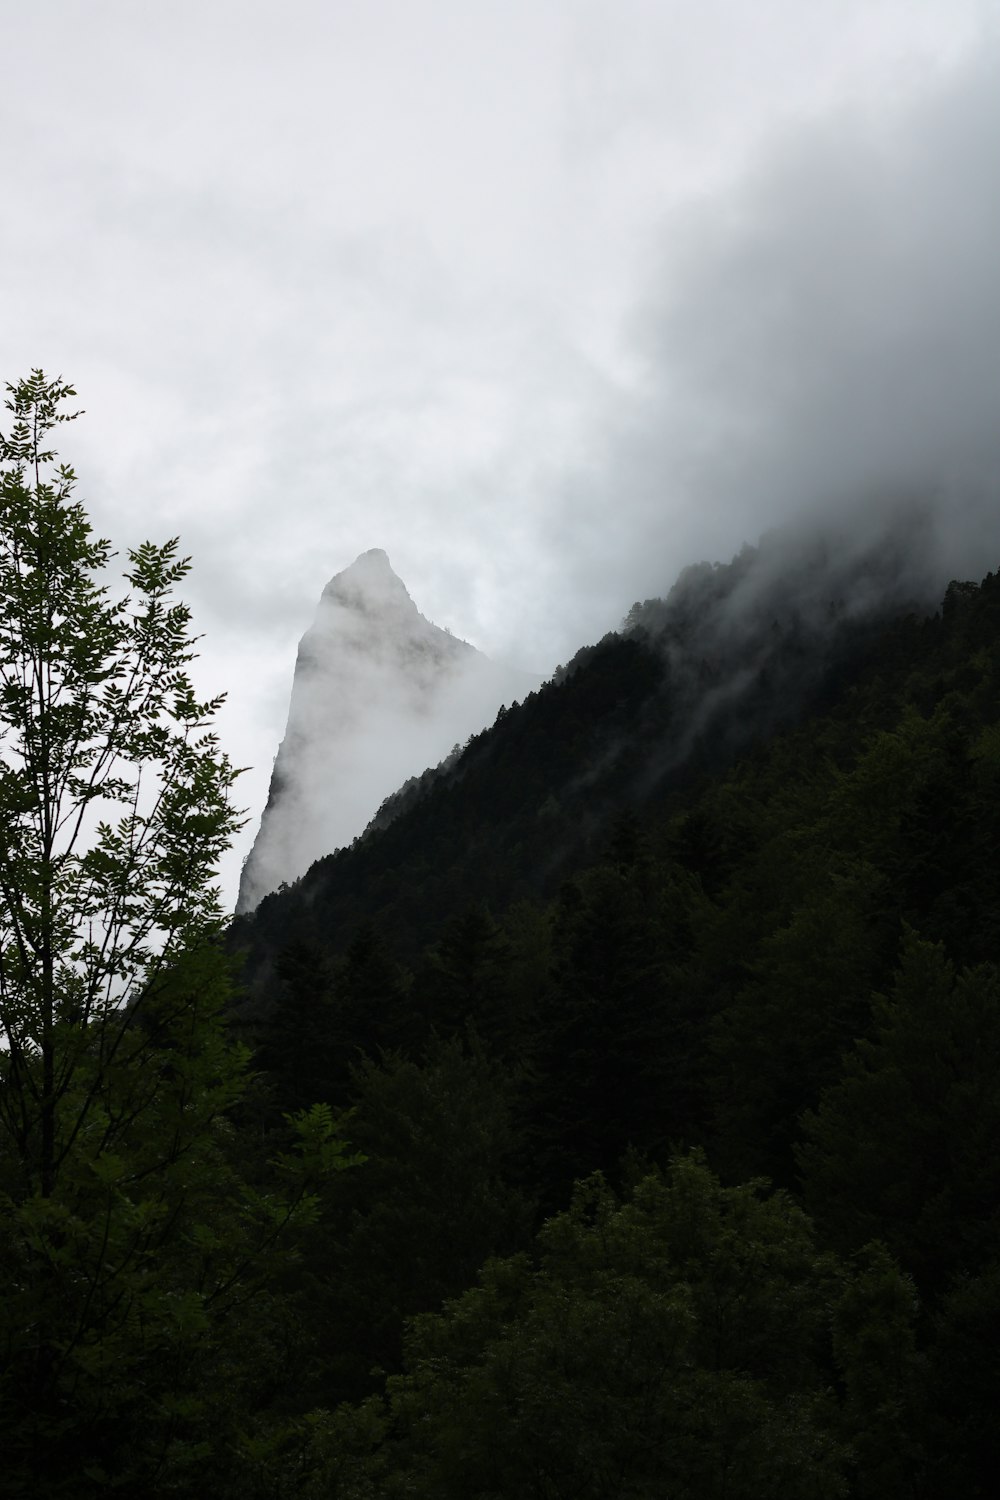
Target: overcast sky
x,y
545,297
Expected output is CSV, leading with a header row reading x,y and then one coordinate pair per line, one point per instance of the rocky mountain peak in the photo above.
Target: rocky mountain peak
x,y
370,585
379,695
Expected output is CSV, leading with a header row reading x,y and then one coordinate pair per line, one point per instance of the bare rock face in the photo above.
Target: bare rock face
x,y
379,694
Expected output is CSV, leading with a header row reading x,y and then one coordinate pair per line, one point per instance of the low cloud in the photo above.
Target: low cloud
x,y
822,344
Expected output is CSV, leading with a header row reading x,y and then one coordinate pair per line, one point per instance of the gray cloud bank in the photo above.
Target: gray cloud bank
x,y
823,343
817,345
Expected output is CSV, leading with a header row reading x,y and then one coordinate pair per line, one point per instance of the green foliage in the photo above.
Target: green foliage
x,y
963,1387
904,1145
434,1201
802,1001
616,1030
114,800
129,1239
667,1344
462,978
875,1350
702,977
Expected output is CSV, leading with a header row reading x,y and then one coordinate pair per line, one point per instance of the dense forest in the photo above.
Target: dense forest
x,y
678,1091
617,1118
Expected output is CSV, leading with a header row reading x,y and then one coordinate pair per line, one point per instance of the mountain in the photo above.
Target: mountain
x,y
379,693
732,653
718,906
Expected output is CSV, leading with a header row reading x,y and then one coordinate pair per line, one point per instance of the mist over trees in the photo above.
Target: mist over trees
x,y
658,1030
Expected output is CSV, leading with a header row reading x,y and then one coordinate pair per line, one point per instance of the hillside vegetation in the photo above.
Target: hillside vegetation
x,y
711,932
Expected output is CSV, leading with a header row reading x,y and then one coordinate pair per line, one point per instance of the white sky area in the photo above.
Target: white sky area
x,y
547,298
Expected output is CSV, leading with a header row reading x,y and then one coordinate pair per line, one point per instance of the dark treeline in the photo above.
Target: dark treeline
x,y
676,1080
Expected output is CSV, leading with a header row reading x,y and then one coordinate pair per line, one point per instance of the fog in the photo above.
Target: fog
x,y
823,348
817,350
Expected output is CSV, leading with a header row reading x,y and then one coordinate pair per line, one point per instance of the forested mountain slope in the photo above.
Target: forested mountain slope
x,y
784,958
731,654
778,949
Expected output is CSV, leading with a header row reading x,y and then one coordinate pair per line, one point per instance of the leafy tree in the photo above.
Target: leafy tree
x,y
670,1344
125,1229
